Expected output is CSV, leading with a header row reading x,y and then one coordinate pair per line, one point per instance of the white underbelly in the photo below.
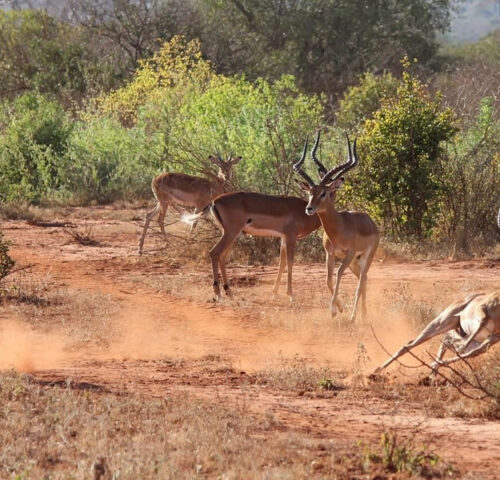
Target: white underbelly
x,y
470,324
182,197
262,232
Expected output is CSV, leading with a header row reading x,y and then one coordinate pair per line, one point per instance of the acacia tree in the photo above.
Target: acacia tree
x,y
39,52
325,44
135,28
399,174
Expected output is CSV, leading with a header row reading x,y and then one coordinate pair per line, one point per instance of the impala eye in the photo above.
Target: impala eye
x,y
322,194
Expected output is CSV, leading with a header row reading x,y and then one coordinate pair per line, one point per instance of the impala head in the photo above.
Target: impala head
x,y
225,166
323,194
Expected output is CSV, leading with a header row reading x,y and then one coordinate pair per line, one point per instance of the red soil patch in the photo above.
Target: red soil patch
x,y
155,326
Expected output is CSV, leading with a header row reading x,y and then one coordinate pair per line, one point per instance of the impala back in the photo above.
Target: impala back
x,y
265,215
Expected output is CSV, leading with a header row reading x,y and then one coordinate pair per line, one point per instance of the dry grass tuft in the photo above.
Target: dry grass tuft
x,y
402,301
83,236
74,431
297,375
82,316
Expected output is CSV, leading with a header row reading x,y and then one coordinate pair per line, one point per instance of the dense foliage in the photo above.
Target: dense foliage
x,y
92,109
402,145
6,262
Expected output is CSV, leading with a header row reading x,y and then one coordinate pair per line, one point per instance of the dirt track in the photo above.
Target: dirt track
x,y
163,339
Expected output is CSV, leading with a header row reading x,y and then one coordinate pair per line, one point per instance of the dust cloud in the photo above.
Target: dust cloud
x,y
148,328
27,351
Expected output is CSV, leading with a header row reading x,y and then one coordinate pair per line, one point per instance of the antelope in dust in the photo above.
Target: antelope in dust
x,y
471,327
351,235
186,190
259,215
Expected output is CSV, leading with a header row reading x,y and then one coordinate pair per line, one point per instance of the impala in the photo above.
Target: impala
x,y
259,215
473,325
187,191
352,235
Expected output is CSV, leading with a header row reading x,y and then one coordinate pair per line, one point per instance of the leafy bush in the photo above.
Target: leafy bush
x,y
177,65
6,263
471,183
40,53
400,168
32,148
107,162
264,123
177,94
360,102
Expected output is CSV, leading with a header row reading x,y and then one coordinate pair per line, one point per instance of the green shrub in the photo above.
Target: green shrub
x,y
360,102
401,146
265,123
33,147
6,263
471,184
107,161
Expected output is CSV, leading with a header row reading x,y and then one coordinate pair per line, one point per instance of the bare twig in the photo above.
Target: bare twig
x,y
437,372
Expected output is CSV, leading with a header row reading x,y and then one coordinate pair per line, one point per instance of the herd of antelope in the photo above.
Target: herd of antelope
x,y
471,326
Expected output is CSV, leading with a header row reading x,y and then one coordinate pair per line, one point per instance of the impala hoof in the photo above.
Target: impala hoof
x,y
333,310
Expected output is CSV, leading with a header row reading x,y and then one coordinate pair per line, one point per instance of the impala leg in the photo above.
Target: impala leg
x,y
161,218
290,251
355,268
217,254
281,267
193,225
364,264
149,216
445,345
438,326
345,263
330,261
483,347
330,267
222,265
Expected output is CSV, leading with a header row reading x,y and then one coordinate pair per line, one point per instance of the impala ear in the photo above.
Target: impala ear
x,y
235,161
212,158
336,184
303,185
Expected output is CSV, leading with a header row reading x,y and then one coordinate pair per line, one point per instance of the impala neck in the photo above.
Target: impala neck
x,y
220,184
330,219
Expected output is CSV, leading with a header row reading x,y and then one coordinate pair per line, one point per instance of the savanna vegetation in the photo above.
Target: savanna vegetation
x,y
132,373
98,97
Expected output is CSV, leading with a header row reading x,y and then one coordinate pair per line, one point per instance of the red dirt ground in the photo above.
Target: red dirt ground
x,y
164,338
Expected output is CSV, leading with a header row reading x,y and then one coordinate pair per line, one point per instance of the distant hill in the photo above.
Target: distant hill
x,y
473,20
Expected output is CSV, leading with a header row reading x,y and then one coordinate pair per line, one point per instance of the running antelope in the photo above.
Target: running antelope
x,y
187,191
259,215
471,327
351,235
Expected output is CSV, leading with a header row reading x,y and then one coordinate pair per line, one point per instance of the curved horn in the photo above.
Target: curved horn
x,y
297,167
338,171
321,168
352,155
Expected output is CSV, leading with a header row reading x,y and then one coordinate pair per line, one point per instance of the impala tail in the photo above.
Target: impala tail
x,y
190,218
